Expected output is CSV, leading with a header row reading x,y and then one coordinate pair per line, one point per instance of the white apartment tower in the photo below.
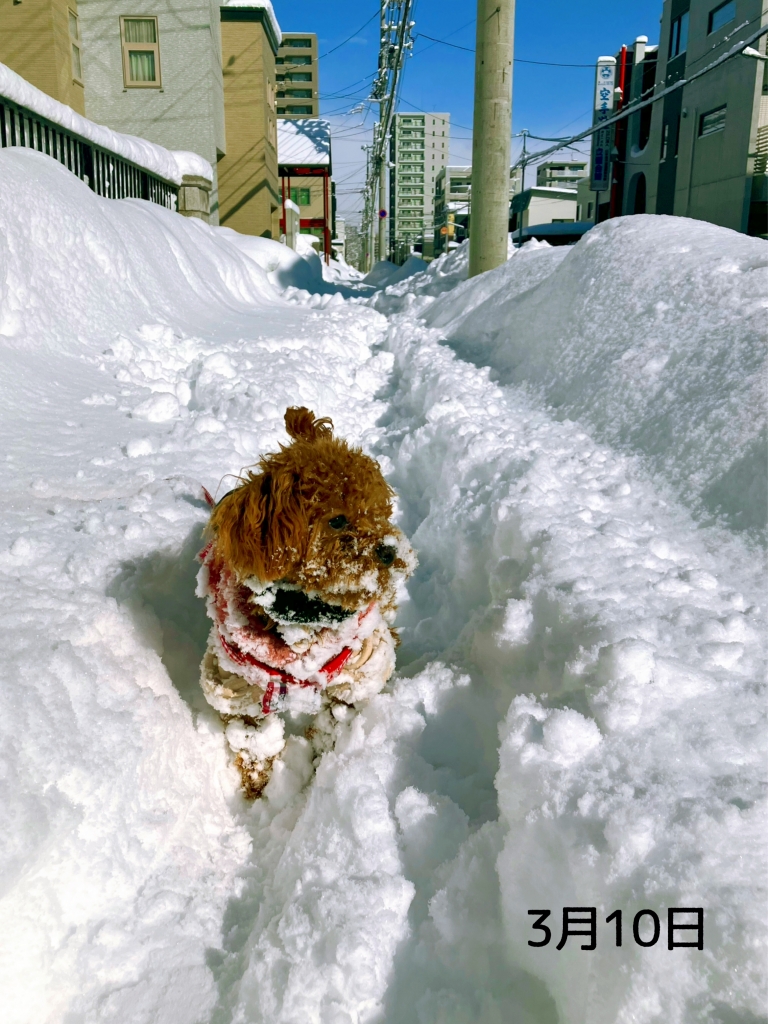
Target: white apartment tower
x,y
419,150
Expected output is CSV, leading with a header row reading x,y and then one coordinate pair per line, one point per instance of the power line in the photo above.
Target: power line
x,y
634,107
517,60
349,38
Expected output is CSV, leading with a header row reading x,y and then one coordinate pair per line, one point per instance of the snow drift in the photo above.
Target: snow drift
x,y
578,718
674,364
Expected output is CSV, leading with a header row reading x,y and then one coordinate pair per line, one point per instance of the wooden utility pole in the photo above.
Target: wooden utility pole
x,y
492,129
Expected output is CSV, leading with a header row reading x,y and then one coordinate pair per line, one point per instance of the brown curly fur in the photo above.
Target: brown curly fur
x,y
275,525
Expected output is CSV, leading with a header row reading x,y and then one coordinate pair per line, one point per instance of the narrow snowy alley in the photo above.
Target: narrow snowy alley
x,y
578,713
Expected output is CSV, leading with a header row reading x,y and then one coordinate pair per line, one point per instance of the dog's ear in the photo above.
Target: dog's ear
x,y
261,528
302,425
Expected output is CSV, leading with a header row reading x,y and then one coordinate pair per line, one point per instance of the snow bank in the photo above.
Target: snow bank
x,y
167,164
620,652
578,718
664,356
146,356
385,273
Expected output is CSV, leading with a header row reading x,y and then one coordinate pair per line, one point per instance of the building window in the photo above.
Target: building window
x,y
665,141
298,76
678,40
300,94
713,121
141,53
721,16
299,110
300,196
301,44
297,60
74,41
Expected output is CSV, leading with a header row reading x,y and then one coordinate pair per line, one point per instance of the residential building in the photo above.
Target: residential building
x,y
537,206
153,69
701,151
560,174
453,204
305,168
40,40
419,150
297,76
249,200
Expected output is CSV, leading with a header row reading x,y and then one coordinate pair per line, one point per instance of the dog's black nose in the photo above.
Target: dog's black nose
x,y
386,554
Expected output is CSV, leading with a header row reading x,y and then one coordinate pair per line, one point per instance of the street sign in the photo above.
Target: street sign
x,y
382,214
602,140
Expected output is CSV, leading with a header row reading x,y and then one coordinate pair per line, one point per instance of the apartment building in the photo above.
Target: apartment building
x,y
560,174
297,76
40,40
419,150
453,204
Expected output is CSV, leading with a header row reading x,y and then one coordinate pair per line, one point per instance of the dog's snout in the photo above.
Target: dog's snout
x,y
386,554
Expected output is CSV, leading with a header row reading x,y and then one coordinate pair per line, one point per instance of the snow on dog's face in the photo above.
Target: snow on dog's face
x,y
315,516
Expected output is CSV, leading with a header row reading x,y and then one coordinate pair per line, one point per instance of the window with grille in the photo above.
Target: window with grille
x,y
713,121
141,53
300,196
74,42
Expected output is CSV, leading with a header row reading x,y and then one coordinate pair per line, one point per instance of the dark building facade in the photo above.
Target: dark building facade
x,y
701,151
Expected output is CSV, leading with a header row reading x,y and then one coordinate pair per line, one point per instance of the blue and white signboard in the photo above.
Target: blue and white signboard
x,y
602,141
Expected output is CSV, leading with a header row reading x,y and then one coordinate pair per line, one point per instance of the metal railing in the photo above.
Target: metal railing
x,y
107,174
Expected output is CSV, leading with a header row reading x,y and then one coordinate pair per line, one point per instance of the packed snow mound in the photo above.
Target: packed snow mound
x,y
42,303
578,717
284,267
620,652
419,290
652,331
145,356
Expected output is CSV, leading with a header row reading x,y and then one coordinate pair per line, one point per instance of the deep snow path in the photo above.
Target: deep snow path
x,y
577,718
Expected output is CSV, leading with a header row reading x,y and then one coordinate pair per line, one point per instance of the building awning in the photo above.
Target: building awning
x,y
304,146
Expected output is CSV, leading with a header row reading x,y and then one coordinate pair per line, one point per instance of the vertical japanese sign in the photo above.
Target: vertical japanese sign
x,y
602,140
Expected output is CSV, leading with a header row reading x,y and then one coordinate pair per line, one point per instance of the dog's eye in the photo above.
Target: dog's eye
x,y
338,522
386,554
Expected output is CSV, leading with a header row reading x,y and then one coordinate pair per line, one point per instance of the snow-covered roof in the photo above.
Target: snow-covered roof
x,y
265,5
167,164
306,141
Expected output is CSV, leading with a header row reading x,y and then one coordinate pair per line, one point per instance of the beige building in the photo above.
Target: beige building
x,y
40,40
560,173
249,201
297,76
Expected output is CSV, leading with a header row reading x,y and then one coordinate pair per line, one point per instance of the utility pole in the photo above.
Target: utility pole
x,y
382,210
395,44
491,134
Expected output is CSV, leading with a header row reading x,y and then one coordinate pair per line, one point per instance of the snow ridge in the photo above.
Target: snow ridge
x,y
578,717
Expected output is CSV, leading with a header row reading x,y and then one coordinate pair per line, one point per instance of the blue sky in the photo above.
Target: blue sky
x,y
546,100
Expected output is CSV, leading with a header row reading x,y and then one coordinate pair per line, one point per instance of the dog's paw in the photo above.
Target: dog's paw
x,y
256,748
254,775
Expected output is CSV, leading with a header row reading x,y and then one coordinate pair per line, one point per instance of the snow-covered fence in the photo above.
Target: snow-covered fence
x,y
116,166
108,174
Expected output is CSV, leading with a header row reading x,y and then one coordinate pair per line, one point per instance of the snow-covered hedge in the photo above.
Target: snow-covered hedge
x,y
165,163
